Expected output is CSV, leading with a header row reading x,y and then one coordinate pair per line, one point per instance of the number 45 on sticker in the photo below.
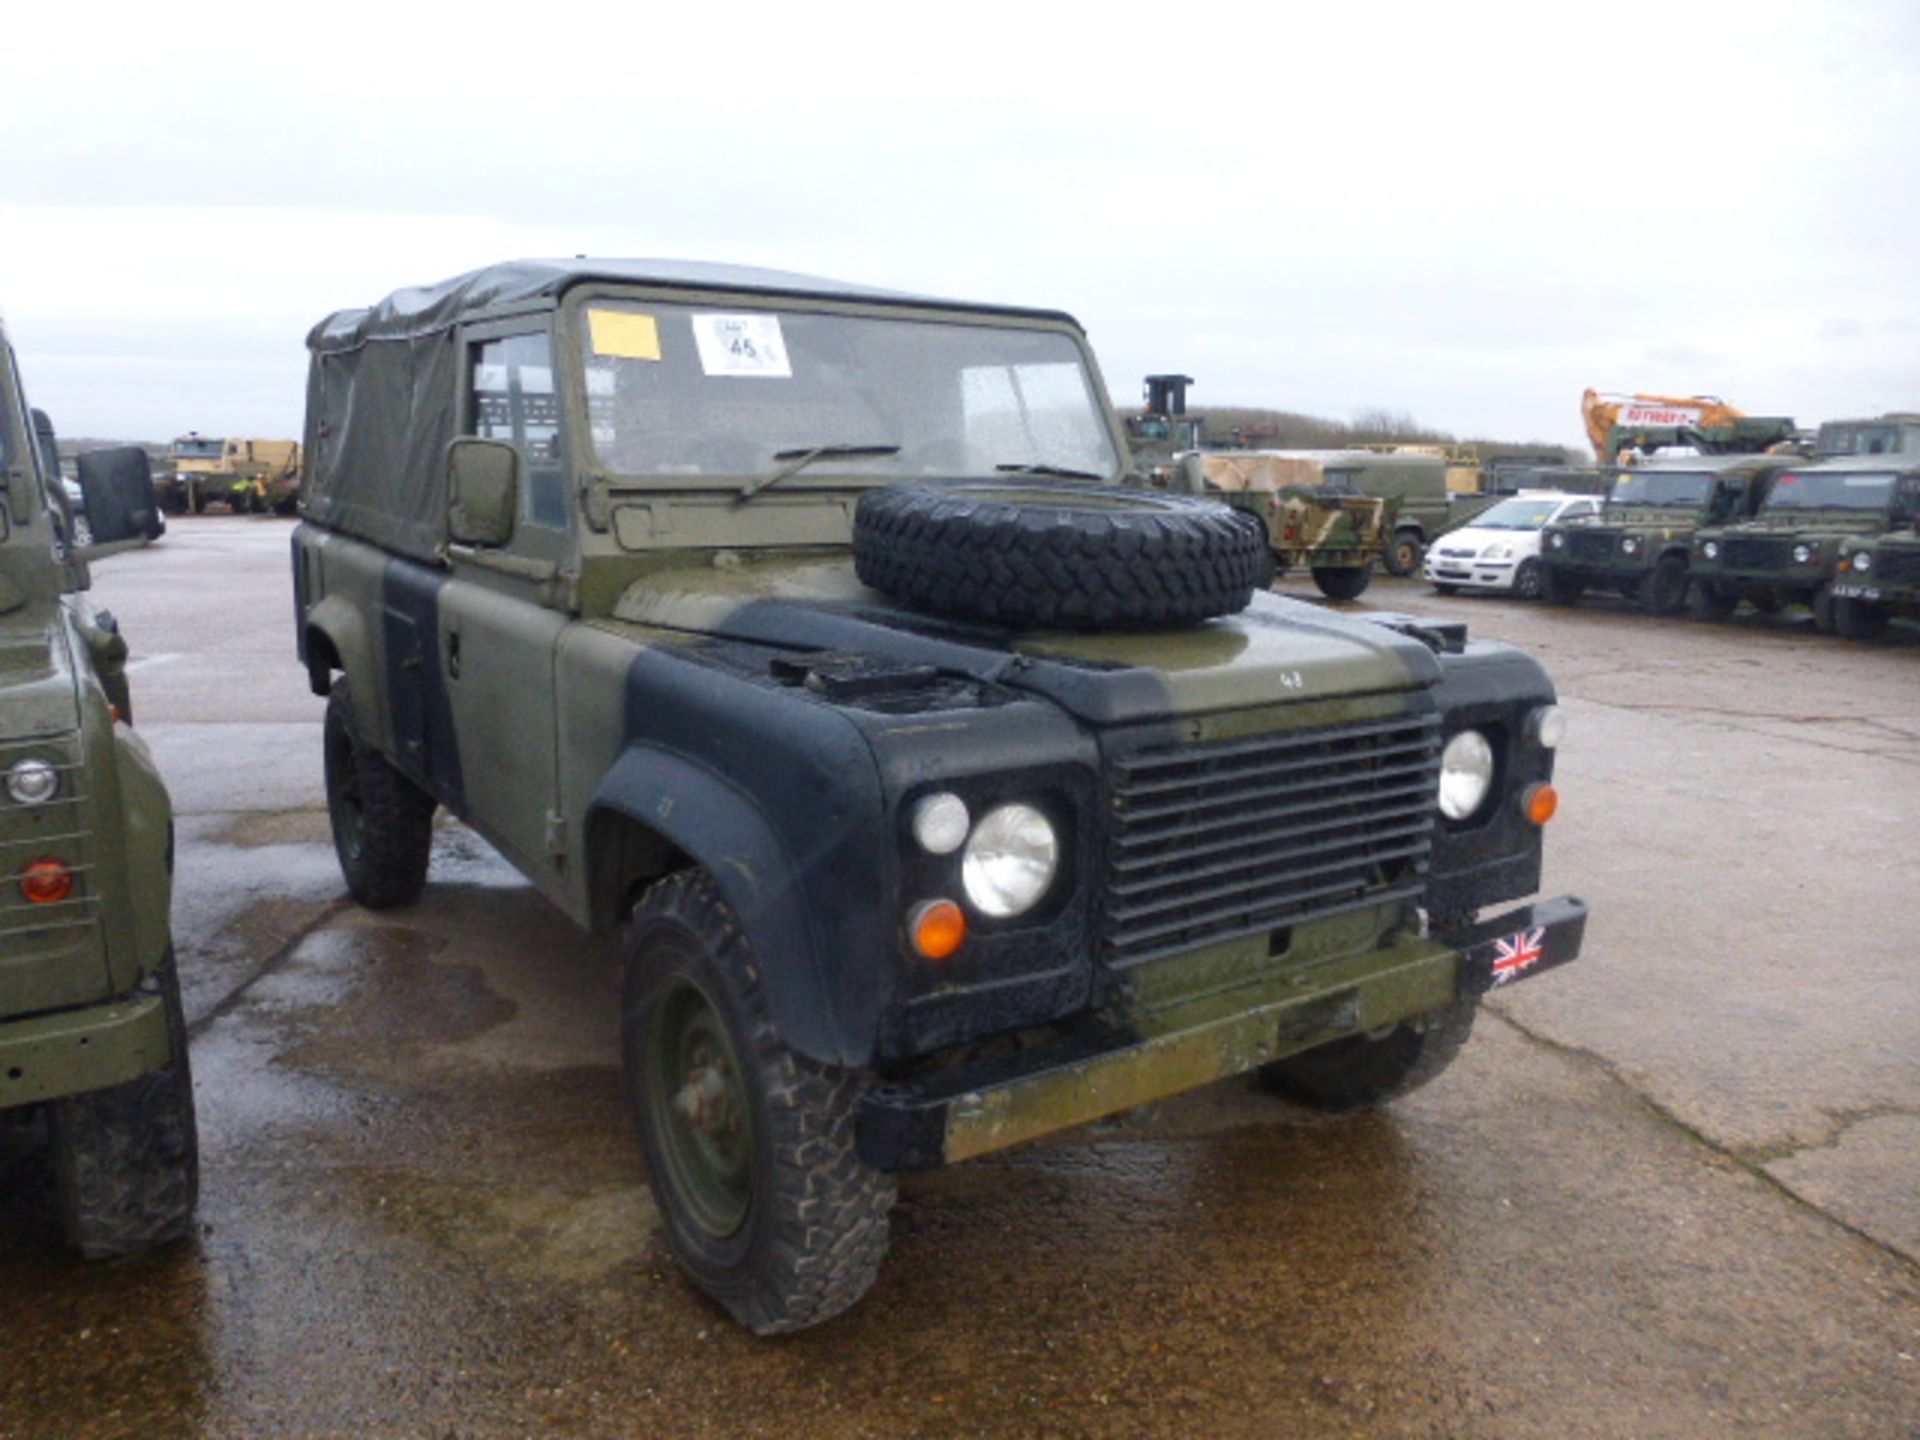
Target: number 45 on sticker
x,y
749,345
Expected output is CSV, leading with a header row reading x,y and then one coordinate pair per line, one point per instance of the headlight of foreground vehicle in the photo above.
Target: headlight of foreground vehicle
x,y
1711,549
1010,860
32,782
1548,726
1466,774
1559,542
1802,554
1863,561
1631,545
940,823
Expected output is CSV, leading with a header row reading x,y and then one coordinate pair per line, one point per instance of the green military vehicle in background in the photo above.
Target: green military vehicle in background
x,y
1640,545
1789,552
1895,433
1877,579
93,1055
945,799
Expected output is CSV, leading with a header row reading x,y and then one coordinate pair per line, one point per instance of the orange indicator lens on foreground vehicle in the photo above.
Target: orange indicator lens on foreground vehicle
x,y
938,928
1541,804
46,882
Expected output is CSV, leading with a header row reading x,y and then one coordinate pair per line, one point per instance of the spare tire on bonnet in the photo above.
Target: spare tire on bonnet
x,y
1059,553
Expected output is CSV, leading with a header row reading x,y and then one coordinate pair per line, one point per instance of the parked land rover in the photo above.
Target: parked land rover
x,y
948,793
1639,545
1878,577
92,1042
1789,552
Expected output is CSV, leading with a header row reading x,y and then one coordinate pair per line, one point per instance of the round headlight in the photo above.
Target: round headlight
x,y
33,782
1631,545
1010,860
1559,542
1802,554
1711,549
1549,724
1863,561
1466,774
940,823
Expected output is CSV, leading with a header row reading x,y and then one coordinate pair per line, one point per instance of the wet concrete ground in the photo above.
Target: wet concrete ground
x,y
1673,1190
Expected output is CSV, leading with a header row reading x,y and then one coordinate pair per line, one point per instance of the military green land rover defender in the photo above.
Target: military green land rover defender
x,y
1639,543
948,793
1790,551
92,1042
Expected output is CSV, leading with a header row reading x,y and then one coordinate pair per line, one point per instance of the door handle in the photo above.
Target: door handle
x,y
453,653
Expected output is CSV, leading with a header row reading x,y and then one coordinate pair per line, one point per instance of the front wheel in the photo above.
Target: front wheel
x,y
1526,580
749,1146
1664,592
1822,604
382,821
1715,602
1858,619
126,1160
1404,555
1363,1070
1343,582
1560,587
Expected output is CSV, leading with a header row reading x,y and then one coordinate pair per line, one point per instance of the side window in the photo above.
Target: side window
x,y
514,400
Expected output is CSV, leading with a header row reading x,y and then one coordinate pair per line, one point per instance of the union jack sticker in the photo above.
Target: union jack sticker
x,y
1518,953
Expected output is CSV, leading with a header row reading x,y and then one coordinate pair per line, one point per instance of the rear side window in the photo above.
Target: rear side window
x,y
514,400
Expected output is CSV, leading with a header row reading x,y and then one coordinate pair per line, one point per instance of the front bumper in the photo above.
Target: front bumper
x,y
1469,573
76,1051
971,1110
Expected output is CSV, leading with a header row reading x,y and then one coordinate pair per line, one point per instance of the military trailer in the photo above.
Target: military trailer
x,y
93,1050
1789,552
1315,518
1640,543
947,793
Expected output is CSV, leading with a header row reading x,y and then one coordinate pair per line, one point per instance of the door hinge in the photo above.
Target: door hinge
x,y
556,834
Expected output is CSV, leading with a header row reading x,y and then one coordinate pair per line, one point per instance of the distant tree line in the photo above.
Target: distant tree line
x,y
1289,430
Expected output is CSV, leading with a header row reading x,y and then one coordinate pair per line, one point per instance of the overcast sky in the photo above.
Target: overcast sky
x,y
1467,211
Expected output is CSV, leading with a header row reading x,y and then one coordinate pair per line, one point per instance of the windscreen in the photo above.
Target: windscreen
x,y
1516,515
675,390
197,449
1660,487
1846,439
1829,492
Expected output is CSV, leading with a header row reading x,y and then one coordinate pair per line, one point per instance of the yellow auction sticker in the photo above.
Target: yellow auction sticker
x,y
623,335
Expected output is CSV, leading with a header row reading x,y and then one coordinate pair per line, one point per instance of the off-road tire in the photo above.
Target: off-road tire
x,y
1036,552
815,1225
1526,579
1664,591
1559,587
1822,606
1404,553
1357,1072
126,1167
382,822
1343,582
1714,602
1858,619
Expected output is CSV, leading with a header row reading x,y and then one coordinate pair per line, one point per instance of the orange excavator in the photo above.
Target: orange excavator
x,y
1651,422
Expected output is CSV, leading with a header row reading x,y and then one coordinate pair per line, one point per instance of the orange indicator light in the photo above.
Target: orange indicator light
x,y
46,882
938,927
1543,801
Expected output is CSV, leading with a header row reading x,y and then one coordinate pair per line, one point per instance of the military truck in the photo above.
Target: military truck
x,y
1789,552
1877,579
947,792
247,476
93,1051
1640,543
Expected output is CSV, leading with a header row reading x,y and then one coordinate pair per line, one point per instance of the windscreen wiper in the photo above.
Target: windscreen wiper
x,y
1022,467
799,459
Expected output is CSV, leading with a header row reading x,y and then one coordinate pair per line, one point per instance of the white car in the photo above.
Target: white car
x,y
1500,550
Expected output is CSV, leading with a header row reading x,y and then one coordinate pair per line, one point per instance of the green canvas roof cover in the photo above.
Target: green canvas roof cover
x,y
383,389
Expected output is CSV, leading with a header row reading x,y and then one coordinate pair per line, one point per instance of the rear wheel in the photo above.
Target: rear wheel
x,y
126,1160
382,821
1664,592
1404,555
1343,582
1365,1070
749,1145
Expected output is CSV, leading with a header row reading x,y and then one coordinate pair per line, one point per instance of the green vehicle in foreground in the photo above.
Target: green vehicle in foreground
x,y
947,792
1640,544
92,1040
1790,551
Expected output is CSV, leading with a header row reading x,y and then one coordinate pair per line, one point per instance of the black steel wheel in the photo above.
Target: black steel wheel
x,y
126,1160
1343,582
749,1145
1365,1070
382,822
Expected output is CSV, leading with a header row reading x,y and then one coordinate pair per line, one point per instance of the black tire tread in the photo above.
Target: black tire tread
x,y
1162,560
397,832
126,1159
829,1224
1358,1072
1343,582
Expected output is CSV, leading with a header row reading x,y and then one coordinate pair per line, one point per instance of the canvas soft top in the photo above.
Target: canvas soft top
x,y
422,310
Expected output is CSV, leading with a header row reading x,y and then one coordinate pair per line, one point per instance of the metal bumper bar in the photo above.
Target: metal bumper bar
x,y
75,1051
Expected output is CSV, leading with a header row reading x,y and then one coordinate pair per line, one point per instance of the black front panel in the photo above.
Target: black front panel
x,y
1896,567
1211,842
1590,547
1755,552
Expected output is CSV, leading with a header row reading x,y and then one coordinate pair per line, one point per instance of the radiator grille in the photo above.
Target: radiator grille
x,y
1755,552
56,830
1211,842
1896,567
1589,546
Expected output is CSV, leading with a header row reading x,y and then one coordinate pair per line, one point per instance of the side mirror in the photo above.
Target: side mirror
x,y
483,491
117,497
